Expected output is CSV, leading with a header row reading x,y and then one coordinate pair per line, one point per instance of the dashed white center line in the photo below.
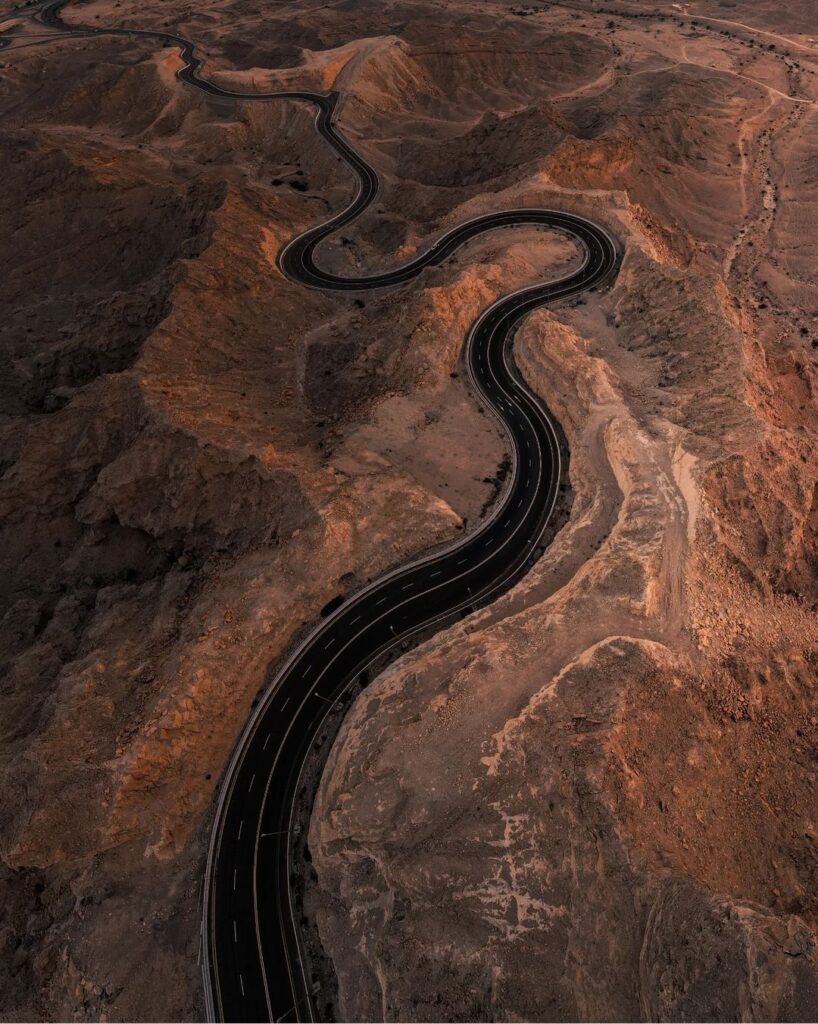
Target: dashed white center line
x,y
516,409
266,741
235,870
250,787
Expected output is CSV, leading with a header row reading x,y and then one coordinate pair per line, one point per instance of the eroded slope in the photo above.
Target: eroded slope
x,y
610,769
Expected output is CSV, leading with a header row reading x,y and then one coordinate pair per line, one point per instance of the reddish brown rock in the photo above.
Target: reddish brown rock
x,y
608,776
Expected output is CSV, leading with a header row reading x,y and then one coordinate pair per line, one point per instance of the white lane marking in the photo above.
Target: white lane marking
x,y
286,702
532,399
250,787
241,982
329,643
353,621
380,602
235,933
241,826
433,574
266,741
536,404
252,724
234,878
499,586
408,586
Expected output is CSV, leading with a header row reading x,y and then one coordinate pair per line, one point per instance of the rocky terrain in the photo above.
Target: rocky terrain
x,y
595,799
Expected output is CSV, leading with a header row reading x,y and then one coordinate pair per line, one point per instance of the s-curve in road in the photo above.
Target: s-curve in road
x,y
254,967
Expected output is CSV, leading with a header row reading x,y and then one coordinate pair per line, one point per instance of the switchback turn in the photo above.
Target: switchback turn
x,y
254,967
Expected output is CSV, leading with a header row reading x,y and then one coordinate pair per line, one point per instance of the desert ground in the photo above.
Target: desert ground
x,y
595,799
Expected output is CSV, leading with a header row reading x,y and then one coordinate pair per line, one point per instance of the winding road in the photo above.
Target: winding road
x,y
254,968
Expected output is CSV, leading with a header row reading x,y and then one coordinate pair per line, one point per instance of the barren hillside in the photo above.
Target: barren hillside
x,y
594,799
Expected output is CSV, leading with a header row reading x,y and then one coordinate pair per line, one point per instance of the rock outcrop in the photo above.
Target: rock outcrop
x,y
594,799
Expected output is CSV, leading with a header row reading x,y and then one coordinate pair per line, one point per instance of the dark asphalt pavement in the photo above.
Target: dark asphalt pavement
x,y
252,955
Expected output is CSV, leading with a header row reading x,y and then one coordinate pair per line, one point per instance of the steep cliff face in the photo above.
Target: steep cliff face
x,y
608,775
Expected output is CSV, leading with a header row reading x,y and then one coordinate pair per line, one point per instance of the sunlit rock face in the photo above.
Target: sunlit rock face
x,y
608,775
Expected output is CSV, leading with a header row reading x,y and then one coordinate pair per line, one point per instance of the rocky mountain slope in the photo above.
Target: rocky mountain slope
x,y
609,775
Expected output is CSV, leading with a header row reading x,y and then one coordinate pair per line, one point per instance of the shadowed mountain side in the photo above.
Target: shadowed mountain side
x,y
610,769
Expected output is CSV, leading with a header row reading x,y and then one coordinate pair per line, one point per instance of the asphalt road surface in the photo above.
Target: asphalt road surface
x,y
252,955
